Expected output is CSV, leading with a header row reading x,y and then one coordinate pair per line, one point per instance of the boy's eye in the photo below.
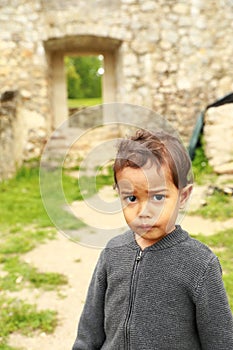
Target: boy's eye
x,y
130,199
158,197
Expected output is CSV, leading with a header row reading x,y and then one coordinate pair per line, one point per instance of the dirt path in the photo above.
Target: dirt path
x,y
77,263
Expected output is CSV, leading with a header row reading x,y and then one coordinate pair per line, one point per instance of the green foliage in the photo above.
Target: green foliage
x,y
84,102
202,171
20,200
89,185
59,190
23,274
20,240
221,243
83,80
219,206
16,315
4,346
105,177
24,224
73,79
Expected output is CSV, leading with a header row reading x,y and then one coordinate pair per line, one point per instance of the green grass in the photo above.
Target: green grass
x,y
16,315
219,206
84,102
58,190
21,203
222,243
4,346
20,240
24,224
89,184
202,171
20,200
20,274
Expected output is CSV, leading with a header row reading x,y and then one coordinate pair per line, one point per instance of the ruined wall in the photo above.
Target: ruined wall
x,y
8,122
21,133
172,56
23,68
218,134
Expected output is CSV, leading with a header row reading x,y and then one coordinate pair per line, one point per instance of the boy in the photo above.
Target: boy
x,y
154,287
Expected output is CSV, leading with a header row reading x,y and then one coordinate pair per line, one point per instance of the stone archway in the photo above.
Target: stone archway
x,y
57,48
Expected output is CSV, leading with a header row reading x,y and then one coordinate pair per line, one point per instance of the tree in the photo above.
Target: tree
x,y
83,79
73,80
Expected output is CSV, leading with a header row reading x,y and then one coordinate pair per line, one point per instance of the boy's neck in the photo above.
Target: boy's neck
x,y
145,243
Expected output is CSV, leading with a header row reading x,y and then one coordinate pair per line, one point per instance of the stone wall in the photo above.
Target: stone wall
x,y
218,133
22,133
174,57
8,121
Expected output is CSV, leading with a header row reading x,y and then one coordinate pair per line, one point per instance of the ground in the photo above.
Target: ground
x,y
77,263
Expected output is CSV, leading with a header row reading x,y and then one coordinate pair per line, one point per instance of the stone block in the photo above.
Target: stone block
x,y
181,9
218,135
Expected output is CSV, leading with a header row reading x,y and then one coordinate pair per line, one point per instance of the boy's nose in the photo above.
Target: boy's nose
x,y
145,211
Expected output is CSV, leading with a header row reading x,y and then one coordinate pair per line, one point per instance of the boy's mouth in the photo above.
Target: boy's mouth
x,y
145,227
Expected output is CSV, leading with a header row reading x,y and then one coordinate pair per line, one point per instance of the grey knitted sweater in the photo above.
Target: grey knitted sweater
x,y
170,296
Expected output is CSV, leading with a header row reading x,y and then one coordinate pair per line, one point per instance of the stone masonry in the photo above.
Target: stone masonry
x,y
174,57
218,135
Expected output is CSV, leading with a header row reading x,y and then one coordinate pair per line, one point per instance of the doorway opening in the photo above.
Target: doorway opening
x,y
81,46
84,81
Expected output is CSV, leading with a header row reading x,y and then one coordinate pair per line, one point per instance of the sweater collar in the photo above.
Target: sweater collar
x,y
175,237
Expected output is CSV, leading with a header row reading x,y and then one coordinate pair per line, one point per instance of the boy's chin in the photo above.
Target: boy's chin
x,y
148,233
153,232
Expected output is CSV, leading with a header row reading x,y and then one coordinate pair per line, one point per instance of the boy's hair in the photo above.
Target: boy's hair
x,y
155,148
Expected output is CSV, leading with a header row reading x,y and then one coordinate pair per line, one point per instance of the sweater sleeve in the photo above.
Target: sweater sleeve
x,y
91,335
213,314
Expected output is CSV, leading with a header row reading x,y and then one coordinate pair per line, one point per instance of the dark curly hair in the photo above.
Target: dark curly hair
x,y
148,148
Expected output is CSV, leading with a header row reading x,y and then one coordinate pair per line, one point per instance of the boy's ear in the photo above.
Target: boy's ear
x,y
116,188
185,194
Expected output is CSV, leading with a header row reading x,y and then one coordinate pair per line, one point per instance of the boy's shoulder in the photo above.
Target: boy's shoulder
x,y
197,252
186,247
195,244
121,240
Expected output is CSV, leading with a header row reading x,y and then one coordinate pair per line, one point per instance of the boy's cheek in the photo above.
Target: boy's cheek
x,y
130,215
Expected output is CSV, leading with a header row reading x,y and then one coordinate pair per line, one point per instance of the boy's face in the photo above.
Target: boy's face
x,y
150,202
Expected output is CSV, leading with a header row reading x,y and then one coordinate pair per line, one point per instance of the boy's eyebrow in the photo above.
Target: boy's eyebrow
x,y
158,190
126,192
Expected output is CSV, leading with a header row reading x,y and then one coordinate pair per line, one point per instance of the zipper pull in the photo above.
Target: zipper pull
x,y
138,258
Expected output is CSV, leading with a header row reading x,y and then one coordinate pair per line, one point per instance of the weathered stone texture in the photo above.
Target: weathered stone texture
x,y
9,156
22,133
218,133
174,57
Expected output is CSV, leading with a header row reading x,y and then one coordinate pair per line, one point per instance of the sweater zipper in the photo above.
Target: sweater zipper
x,y
131,299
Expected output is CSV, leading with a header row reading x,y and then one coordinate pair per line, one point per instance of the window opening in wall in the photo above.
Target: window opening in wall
x,y
83,81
